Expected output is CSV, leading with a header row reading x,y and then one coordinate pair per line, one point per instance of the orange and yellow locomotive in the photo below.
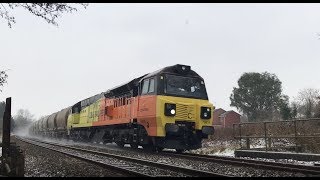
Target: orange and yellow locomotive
x,y
168,108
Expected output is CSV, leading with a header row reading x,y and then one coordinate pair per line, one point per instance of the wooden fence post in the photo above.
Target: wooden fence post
x,y
265,135
6,138
240,136
12,156
295,135
248,142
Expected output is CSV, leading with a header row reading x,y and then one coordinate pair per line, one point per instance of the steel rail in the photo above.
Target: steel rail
x,y
184,170
313,170
104,165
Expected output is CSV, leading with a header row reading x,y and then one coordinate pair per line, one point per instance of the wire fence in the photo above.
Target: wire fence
x,y
300,135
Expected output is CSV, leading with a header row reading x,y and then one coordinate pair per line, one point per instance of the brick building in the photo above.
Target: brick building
x,y
222,118
216,114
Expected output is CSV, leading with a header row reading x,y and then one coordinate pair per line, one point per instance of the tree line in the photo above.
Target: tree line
x,y
22,119
259,97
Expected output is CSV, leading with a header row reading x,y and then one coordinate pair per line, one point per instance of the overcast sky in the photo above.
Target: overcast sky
x,y
105,45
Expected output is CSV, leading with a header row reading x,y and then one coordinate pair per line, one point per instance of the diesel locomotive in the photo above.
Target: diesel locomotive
x,y
168,108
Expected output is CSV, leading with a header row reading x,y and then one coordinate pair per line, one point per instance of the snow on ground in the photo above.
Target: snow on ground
x,y
226,152
258,143
288,161
219,148
227,148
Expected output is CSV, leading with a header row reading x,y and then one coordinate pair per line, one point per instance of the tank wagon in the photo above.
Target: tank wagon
x,y
168,108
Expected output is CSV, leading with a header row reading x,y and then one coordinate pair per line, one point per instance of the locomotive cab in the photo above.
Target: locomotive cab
x,y
183,113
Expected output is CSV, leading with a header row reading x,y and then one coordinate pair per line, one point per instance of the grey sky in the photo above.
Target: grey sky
x,y
106,45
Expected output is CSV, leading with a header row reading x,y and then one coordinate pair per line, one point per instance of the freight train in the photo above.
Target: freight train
x,y
168,108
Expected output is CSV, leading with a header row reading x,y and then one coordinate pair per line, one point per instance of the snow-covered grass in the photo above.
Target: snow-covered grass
x,y
226,147
288,161
215,147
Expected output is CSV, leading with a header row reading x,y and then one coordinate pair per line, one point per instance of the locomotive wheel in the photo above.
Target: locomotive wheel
x,y
152,148
134,146
147,147
120,144
180,151
159,149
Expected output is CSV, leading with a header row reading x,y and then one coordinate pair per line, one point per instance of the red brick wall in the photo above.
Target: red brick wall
x,y
216,114
232,118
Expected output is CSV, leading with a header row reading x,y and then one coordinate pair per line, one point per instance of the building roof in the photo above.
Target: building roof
x,y
219,109
227,112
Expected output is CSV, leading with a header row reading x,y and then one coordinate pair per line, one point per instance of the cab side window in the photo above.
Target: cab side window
x,y
151,86
148,86
145,86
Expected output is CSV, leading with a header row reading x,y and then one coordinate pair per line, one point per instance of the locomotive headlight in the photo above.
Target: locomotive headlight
x,y
169,109
205,113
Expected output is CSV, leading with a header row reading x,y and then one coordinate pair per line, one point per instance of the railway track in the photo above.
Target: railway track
x,y
134,168
114,167
312,170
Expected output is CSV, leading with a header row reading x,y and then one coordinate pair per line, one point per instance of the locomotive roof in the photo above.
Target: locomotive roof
x,y
178,69
126,87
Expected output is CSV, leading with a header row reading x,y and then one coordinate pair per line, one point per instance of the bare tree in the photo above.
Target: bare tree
x,y
3,78
2,109
317,109
23,119
307,101
47,11
294,110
